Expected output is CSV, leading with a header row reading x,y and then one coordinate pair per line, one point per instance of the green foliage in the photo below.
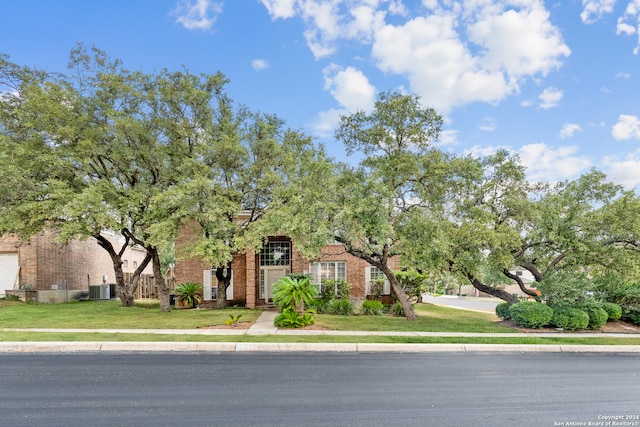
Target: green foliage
x,y
319,305
377,288
190,293
294,293
597,317
233,320
569,318
11,297
342,307
502,310
531,314
289,318
397,309
614,311
566,288
632,314
413,283
372,307
300,276
615,289
335,289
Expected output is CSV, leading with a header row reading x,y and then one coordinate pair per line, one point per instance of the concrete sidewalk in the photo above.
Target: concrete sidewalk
x,y
264,326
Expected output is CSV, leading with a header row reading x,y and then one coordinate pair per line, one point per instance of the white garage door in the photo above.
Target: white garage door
x,y
9,268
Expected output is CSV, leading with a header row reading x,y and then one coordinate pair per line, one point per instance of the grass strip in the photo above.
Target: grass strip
x,y
11,336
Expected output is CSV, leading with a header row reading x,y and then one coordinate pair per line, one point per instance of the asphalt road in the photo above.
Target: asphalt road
x,y
318,389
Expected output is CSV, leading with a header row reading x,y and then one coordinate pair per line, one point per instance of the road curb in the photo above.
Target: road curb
x,y
245,347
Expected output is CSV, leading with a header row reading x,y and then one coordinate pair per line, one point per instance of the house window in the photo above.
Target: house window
x,y
210,285
336,270
125,263
275,254
373,276
135,264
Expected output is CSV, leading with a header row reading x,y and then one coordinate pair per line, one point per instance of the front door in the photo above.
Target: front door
x,y
271,276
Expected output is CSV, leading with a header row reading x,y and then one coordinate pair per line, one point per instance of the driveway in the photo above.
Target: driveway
x,y
463,303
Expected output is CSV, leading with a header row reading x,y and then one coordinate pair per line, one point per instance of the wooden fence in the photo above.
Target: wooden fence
x,y
147,288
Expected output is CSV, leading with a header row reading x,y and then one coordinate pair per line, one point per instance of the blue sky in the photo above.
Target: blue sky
x,y
555,81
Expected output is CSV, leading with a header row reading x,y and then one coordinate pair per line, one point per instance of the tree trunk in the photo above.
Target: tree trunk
x,y
503,295
126,297
520,283
223,284
399,291
161,283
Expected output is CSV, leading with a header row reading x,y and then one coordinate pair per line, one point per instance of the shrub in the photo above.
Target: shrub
x,y
614,311
334,289
597,317
289,318
397,309
372,307
319,305
342,307
502,310
632,314
569,318
190,293
376,288
531,314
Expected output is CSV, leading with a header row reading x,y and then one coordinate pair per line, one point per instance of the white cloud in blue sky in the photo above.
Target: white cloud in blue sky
x,y
197,14
481,63
259,64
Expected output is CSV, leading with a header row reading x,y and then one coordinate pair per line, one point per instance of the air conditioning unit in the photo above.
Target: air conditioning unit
x,y
100,292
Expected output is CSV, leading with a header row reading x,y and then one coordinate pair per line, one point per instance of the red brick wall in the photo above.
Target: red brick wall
x,y
45,264
247,280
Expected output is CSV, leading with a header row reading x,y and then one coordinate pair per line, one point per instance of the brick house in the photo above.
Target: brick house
x,y
59,272
255,273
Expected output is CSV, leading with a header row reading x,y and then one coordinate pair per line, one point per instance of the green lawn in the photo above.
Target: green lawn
x,y
431,318
103,337
111,314
147,315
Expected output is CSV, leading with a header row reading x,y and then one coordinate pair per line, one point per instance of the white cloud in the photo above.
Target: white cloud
x,y
625,172
622,75
280,8
488,124
628,127
550,97
438,64
542,163
545,164
448,137
351,89
519,42
259,64
453,53
197,14
569,129
594,9
484,150
629,22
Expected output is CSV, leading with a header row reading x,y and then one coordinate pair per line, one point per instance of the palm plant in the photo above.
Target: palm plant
x,y
294,293
189,292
